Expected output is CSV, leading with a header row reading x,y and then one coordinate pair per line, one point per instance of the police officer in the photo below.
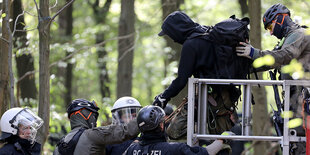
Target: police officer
x,y
294,44
85,137
124,109
153,138
19,127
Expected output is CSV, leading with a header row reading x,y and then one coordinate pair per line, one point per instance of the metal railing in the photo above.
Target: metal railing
x,y
198,130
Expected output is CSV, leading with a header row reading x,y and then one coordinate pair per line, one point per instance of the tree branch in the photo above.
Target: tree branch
x,y
59,11
14,29
72,54
26,30
35,2
30,14
4,40
54,5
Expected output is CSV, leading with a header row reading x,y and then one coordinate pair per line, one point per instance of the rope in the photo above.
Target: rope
x,y
176,111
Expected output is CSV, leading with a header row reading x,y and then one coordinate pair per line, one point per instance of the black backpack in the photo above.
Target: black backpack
x,y
225,36
68,148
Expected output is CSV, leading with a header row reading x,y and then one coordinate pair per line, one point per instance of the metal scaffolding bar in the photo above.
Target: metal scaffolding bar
x,y
199,130
240,138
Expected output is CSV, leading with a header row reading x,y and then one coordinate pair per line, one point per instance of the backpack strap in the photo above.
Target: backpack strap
x,y
206,29
67,148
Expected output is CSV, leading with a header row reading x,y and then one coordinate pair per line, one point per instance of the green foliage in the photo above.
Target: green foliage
x,y
3,15
150,51
295,69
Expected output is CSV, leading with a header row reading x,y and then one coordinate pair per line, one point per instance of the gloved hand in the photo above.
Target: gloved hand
x,y
160,101
227,133
245,50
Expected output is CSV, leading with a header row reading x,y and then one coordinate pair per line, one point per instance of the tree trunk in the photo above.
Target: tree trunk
x,y
100,17
24,59
260,114
6,46
44,89
244,7
65,29
169,6
125,48
102,64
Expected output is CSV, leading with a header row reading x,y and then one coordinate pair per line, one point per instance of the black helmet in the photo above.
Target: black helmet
x,y
78,104
150,117
273,11
168,109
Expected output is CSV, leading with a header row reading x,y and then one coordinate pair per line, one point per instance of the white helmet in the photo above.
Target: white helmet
x,y
125,109
17,121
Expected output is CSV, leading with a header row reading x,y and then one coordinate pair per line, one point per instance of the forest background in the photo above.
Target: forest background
x,y
55,51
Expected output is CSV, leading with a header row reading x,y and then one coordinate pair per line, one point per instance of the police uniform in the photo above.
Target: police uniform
x,y
18,146
165,148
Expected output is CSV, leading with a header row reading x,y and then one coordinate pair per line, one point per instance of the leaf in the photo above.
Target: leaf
x,y
287,114
294,123
3,15
267,60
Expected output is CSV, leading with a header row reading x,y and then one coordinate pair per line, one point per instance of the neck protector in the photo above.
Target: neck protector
x,y
283,22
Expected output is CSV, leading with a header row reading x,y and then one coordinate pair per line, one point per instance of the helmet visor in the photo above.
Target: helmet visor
x,y
124,115
27,123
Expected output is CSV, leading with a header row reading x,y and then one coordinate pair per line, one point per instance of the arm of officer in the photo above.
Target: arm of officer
x,y
113,134
292,48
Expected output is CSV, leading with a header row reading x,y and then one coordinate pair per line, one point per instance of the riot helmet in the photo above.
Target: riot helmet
x,y
272,12
21,122
150,117
125,109
168,109
81,111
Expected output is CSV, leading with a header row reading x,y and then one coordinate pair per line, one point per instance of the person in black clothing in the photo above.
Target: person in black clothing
x,y
197,59
153,140
19,127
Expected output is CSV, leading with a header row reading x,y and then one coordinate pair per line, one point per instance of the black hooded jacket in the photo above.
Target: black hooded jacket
x,y
197,57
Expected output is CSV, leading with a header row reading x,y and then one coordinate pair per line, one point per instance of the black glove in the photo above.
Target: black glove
x,y
160,101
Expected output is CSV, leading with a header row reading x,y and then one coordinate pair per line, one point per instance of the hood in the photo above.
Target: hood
x,y
83,118
178,26
284,29
78,121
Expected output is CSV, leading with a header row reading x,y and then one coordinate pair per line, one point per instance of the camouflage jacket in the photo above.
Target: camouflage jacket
x,y
93,141
296,46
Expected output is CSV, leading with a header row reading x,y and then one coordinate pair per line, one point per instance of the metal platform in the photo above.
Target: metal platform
x,y
198,130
